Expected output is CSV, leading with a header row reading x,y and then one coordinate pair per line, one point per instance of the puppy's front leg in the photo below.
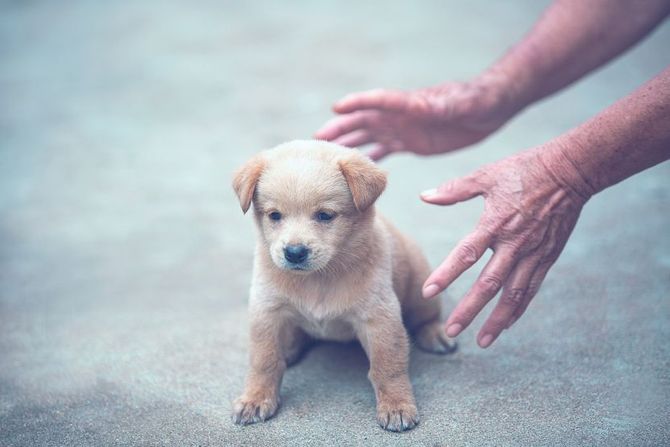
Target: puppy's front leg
x,y
385,341
260,399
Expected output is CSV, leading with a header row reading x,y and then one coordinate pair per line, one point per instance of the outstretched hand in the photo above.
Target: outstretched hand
x,y
426,121
528,217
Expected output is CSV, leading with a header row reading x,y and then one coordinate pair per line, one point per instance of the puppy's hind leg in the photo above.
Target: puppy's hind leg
x,y
431,337
422,317
297,343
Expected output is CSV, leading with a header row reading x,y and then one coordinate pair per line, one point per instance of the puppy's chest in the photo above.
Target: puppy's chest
x,y
337,329
326,316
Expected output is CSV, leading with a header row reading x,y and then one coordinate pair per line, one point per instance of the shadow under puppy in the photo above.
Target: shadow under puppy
x,y
327,266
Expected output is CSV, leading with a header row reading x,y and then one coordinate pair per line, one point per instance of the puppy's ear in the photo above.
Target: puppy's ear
x,y
245,180
366,181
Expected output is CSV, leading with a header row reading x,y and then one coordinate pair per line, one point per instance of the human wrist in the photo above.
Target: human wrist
x,y
488,99
561,159
513,83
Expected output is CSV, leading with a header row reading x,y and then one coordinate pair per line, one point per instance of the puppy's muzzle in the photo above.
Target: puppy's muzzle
x,y
296,254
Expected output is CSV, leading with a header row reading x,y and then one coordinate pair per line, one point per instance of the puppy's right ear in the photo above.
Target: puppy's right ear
x,y
245,180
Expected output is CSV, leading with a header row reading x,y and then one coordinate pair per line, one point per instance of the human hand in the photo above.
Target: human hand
x,y
428,121
530,211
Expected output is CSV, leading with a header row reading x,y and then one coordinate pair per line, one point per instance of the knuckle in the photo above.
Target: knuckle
x,y
490,284
467,254
513,298
550,246
533,288
550,256
526,239
479,173
514,248
446,187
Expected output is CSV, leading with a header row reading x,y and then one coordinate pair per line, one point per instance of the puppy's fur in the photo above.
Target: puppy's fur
x,y
357,277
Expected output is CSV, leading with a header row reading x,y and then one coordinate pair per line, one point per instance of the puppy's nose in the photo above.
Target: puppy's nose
x,y
296,253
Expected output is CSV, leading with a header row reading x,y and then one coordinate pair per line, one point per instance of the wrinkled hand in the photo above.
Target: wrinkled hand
x,y
426,121
528,217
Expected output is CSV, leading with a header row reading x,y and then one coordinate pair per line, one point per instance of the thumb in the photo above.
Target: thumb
x,y
454,191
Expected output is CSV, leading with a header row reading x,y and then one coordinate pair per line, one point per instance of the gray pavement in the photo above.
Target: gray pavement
x,y
125,262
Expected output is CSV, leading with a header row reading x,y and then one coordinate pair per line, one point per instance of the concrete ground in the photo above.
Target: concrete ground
x,y
125,261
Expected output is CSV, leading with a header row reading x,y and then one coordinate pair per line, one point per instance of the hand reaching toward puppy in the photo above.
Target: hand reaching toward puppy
x,y
528,217
533,200
428,121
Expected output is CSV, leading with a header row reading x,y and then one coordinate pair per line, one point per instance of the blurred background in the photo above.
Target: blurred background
x,y
125,260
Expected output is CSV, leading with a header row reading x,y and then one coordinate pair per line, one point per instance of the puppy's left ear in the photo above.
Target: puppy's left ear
x,y
366,181
245,180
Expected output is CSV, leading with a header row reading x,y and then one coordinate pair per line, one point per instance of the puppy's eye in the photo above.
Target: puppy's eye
x,y
275,215
324,216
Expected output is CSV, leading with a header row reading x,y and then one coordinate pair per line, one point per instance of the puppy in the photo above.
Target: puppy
x,y
329,267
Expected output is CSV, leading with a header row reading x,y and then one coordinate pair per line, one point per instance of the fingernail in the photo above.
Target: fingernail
x,y
431,290
429,192
486,340
454,329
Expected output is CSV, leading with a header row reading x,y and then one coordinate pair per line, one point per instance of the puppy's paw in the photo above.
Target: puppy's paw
x,y
431,337
251,410
399,417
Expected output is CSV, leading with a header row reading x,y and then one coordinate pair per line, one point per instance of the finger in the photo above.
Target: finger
x,y
454,191
486,287
461,258
514,293
377,152
534,286
341,125
356,138
389,100
552,250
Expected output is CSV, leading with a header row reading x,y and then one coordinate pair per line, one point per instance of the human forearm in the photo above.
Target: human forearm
x,y
628,137
533,200
572,38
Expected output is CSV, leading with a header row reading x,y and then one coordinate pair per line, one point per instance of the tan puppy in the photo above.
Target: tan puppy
x,y
329,267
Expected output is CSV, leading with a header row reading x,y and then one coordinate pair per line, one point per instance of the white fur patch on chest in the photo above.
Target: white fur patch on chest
x,y
324,319
337,329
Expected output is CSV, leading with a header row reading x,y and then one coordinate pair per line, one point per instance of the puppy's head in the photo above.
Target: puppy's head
x,y
309,198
